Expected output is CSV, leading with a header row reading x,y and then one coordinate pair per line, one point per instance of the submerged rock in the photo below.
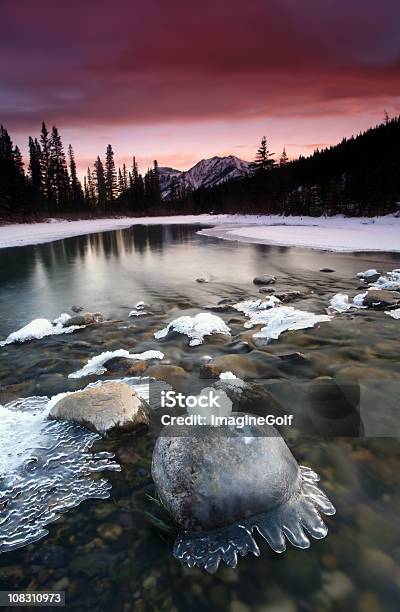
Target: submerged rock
x,y
289,296
221,483
327,270
264,279
76,308
88,318
241,365
108,408
381,297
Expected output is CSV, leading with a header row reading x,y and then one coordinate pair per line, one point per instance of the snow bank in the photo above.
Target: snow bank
x,y
330,233
325,233
203,324
40,328
395,314
96,364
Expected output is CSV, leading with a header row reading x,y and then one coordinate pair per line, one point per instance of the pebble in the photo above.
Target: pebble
x,y
110,531
337,585
265,279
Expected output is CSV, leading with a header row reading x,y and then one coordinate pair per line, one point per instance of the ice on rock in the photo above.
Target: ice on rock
x,y
96,364
340,302
358,300
40,328
203,324
389,282
395,314
280,319
250,306
368,273
227,376
138,310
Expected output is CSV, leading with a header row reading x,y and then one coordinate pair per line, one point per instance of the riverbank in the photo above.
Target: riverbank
x,y
325,233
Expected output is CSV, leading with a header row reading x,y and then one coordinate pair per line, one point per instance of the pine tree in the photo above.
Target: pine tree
x,y
124,177
263,159
76,187
12,178
86,192
46,165
110,175
173,190
91,189
156,191
120,184
101,189
58,170
284,158
35,172
18,162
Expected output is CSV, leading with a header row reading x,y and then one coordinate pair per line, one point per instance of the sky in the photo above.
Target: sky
x,y
179,80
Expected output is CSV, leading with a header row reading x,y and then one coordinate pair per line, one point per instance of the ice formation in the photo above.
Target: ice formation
x,y
390,281
138,310
95,365
367,274
250,306
395,314
203,324
277,319
46,469
340,302
246,482
40,328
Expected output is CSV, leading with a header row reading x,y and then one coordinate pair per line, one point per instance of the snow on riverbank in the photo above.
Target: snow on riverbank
x,y
326,233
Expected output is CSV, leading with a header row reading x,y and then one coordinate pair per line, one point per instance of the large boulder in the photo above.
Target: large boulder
x,y
108,408
210,477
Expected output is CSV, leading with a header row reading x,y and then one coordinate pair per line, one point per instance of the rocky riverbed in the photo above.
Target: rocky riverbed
x,y
113,554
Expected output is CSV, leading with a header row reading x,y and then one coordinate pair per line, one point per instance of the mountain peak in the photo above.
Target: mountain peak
x,y
206,173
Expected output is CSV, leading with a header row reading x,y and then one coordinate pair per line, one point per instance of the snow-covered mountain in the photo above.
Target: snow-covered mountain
x,y
206,173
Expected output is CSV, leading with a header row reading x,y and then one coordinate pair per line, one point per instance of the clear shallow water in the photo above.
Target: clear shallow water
x,y
110,544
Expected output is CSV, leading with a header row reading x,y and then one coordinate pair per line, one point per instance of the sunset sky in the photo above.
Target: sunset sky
x,y
183,80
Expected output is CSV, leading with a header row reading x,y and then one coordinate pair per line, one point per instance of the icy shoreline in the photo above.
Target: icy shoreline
x,y
323,233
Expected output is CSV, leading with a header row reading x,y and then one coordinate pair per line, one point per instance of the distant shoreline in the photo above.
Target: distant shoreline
x,y
351,234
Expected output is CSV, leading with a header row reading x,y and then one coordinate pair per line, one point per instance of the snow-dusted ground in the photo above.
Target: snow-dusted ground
x,y
327,233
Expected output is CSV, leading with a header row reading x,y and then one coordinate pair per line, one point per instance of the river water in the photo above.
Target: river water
x,y
106,553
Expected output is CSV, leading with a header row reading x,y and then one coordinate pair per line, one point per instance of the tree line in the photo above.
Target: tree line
x,y
51,186
359,176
